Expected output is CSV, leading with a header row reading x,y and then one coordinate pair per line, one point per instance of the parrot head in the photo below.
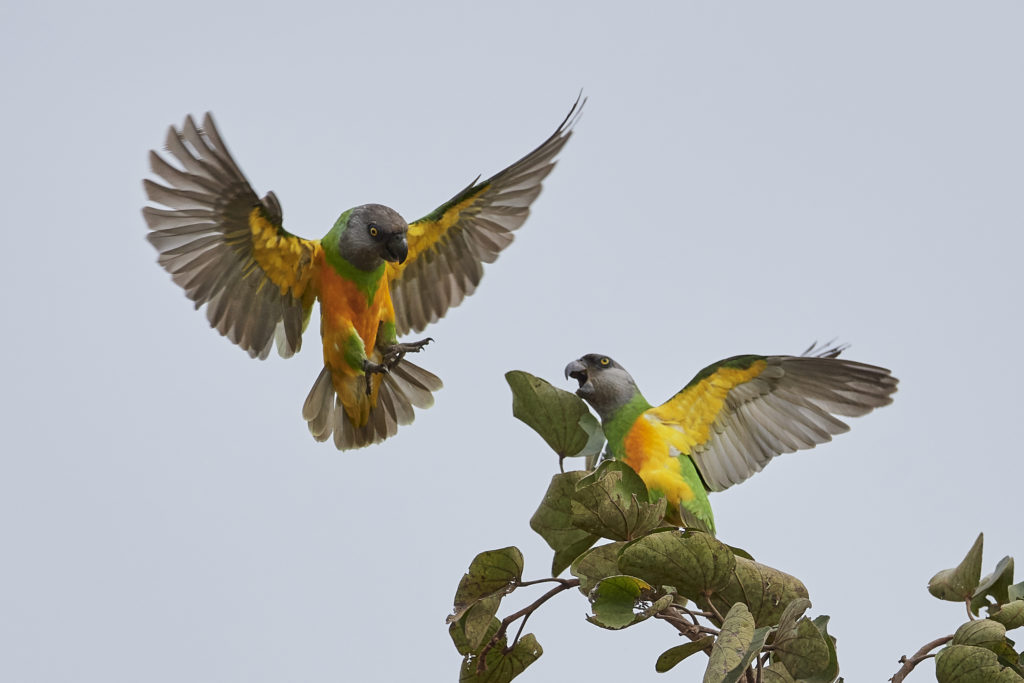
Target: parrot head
x,y
371,233
604,384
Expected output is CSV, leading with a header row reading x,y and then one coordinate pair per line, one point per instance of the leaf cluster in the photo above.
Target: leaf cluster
x,y
979,650
478,635
602,525
746,617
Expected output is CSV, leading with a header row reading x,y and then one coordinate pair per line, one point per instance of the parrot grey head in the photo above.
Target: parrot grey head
x,y
604,384
372,233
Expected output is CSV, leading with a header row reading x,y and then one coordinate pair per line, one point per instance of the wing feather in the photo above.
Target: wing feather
x,y
226,247
738,414
447,249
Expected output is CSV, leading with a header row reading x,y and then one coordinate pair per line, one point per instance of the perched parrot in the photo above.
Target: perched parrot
x,y
376,276
728,422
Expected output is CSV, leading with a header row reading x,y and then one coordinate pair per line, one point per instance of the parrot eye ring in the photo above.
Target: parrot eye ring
x,y
374,230
605,362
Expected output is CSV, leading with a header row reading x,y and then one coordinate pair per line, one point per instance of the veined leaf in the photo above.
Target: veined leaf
x,y
491,573
971,664
737,644
694,563
553,521
958,584
561,418
672,656
766,591
613,503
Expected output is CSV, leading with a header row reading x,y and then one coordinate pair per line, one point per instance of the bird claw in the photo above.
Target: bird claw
x,y
395,352
390,357
369,368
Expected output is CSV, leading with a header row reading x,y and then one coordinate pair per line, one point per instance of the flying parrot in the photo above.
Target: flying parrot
x,y
728,422
376,277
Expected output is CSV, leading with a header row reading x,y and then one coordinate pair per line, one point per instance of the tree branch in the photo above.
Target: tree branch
x,y
685,628
714,610
919,656
693,631
550,579
695,613
524,613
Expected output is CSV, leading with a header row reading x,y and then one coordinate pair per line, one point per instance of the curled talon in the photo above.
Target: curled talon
x,y
369,367
395,352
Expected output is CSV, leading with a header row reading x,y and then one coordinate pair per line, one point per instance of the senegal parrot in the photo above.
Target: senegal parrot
x,y
376,276
728,422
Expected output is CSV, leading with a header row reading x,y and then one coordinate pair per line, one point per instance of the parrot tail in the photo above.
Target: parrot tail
x,y
405,386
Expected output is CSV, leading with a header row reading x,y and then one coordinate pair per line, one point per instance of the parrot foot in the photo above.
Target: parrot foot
x,y
395,352
369,368
390,356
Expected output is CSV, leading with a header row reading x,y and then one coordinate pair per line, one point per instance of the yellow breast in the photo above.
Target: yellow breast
x,y
652,449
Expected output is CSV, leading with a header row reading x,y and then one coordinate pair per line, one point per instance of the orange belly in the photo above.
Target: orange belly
x,y
349,322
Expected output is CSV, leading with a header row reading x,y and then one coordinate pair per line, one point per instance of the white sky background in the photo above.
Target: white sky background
x,y
746,178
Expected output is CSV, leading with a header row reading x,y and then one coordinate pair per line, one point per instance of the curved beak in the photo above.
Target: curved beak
x,y
577,371
396,249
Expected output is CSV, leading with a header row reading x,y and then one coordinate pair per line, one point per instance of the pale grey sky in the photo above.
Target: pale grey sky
x,y
746,178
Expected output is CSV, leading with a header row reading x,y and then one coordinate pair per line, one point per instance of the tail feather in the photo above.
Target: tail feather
x,y
415,384
318,410
406,386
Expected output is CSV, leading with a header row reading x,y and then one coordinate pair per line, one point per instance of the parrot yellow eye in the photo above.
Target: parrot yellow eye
x,y
374,231
605,362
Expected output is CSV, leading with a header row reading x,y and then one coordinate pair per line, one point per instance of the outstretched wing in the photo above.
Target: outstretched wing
x,y
738,414
448,248
226,247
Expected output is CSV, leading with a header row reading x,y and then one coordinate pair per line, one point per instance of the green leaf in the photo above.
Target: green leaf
x,y
596,564
787,622
970,664
737,644
458,633
986,633
1007,656
830,672
994,585
1011,615
777,673
478,619
501,666
802,650
958,584
672,656
989,634
1015,592
614,600
766,591
555,414
658,605
631,483
553,521
613,503
730,648
740,552
694,563
595,442
491,573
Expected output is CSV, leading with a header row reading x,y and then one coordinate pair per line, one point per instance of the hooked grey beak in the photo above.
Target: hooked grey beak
x,y
577,371
397,248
